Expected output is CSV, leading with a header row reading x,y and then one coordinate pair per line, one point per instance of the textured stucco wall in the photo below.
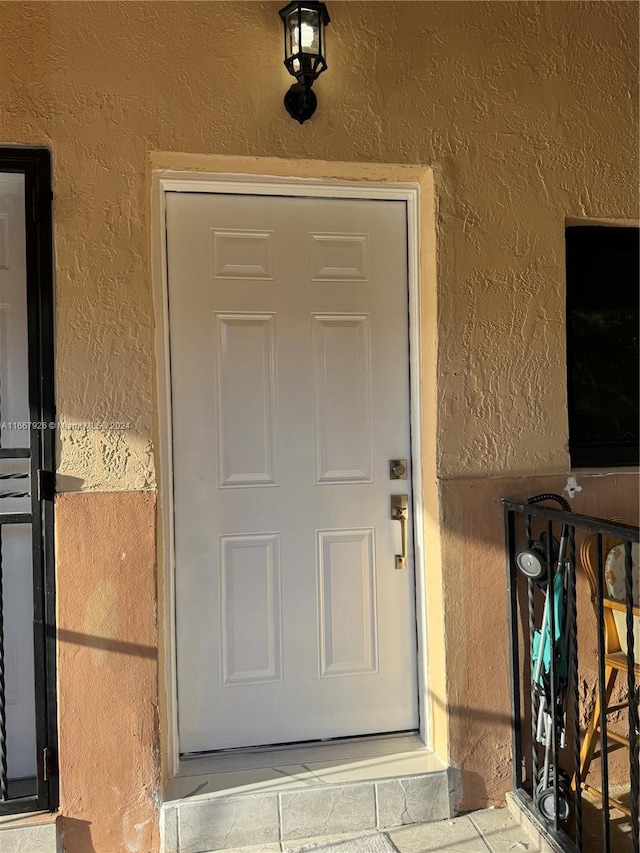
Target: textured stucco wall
x,y
108,672
527,109
527,113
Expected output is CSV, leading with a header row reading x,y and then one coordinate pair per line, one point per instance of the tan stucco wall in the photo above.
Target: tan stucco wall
x,y
527,114
529,111
107,672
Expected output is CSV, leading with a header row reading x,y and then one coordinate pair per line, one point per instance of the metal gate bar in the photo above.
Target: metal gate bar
x,y
524,605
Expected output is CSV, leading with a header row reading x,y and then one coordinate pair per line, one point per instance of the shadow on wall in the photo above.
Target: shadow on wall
x,y
472,725
76,835
106,644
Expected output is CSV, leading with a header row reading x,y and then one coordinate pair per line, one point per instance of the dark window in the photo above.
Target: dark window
x,y
602,344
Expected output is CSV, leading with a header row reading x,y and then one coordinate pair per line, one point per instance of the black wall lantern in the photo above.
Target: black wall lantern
x,y
304,54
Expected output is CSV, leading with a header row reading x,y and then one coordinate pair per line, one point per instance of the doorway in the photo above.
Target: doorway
x,y
288,337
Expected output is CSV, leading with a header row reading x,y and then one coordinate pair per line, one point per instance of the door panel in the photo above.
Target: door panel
x,y
245,404
346,575
250,595
288,322
342,360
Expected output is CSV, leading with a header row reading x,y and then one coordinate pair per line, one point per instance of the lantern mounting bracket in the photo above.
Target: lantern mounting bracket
x,y
300,102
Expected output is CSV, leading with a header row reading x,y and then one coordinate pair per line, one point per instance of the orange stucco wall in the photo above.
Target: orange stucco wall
x,y
108,672
526,113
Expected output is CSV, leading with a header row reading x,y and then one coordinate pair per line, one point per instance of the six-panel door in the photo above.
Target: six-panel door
x,y
288,324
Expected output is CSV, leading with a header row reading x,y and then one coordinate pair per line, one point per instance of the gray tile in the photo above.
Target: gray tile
x,y
274,847
454,777
169,829
500,831
297,843
325,811
376,843
415,799
30,838
454,836
224,822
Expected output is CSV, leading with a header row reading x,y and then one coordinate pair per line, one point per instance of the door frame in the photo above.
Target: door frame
x,y
167,180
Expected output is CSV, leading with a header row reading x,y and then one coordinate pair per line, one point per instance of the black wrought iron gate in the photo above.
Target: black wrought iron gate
x,y
28,734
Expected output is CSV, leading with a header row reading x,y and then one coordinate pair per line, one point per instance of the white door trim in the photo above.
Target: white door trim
x,y
204,182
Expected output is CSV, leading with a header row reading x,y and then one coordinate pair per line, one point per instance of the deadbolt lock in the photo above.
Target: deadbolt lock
x,y
398,469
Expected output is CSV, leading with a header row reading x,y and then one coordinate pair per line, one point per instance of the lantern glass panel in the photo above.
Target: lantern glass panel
x,y
289,29
303,33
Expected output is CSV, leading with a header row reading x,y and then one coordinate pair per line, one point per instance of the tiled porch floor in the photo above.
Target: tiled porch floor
x,y
488,831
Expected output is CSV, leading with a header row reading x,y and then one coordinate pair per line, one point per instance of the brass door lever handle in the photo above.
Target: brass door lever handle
x,y
400,512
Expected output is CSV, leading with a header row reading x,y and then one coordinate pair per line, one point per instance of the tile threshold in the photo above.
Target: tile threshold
x,y
290,770
486,831
301,753
291,814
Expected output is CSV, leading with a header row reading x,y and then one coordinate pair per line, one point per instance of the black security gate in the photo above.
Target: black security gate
x,y
27,431
567,719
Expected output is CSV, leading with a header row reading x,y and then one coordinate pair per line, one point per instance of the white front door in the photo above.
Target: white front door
x,y
16,573
288,326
